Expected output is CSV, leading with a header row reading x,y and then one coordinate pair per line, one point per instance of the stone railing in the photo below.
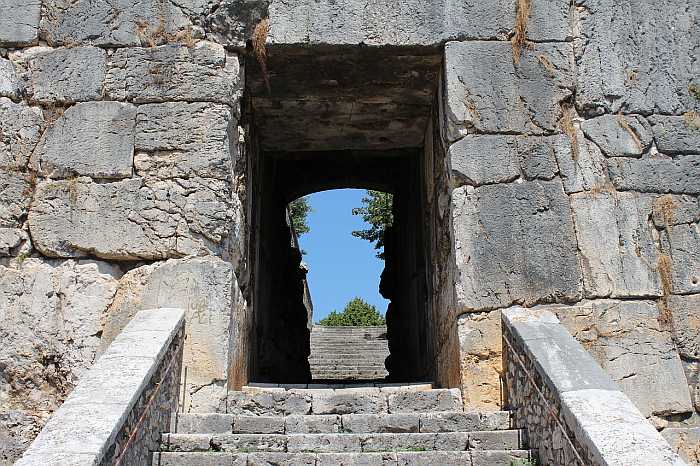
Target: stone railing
x,y
116,413
573,412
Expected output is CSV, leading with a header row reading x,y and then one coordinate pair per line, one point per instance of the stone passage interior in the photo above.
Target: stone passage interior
x,y
322,118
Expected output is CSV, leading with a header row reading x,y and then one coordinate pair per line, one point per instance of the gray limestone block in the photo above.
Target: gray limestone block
x,y
681,244
174,72
19,23
168,458
619,135
356,459
249,442
628,341
67,75
10,240
348,403
464,421
187,442
686,324
10,85
616,243
15,196
258,425
19,132
268,403
128,23
484,159
193,423
607,423
677,134
310,424
685,441
496,440
94,139
487,92
396,442
514,243
391,423
281,459
324,443
234,21
656,175
428,401
581,164
670,210
537,156
637,57
472,457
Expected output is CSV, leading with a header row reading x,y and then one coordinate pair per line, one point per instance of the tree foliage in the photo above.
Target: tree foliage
x,y
299,211
377,211
357,313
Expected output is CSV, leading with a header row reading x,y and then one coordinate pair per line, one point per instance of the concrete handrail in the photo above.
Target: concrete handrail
x,y
119,408
574,413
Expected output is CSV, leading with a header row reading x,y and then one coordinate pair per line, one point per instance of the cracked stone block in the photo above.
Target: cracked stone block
x,y
670,210
619,135
514,243
685,441
110,24
487,159
11,239
685,311
628,341
618,252
480,359
656,175
205,288
19,132
681,244
67,75
19,23
486,91
636,57
93,139
677,134
583,169
52,314
10,85
174,72
15,196
283,403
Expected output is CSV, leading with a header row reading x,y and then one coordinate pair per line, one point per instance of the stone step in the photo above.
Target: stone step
x,y
342,401
392,387
346,357
345,443
343,365
403,458
450,421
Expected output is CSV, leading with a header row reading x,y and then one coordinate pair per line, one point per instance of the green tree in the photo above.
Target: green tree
x,y
357,313
299,211
377,211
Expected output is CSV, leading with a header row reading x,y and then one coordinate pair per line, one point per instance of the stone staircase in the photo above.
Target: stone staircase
x,y
377,425
348,353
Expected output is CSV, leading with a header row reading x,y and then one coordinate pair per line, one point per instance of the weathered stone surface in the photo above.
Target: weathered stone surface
x,y
582,165
174,72
486,91
269,403
618,251
258,425
15,196
11,239
486,159
311,424
67,74
681,244
348,403
677,134
19,22
427,401
627,340
52,313
685,311
480,360
93,139
132,22
619,135
204,288
656,175
669,210
10,85
194,423
514,243
384,423
638,58
19,132
684,441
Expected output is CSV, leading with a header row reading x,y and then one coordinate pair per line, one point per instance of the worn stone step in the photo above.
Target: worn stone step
x,y
349,423
392,387
345,443
345,401
407,458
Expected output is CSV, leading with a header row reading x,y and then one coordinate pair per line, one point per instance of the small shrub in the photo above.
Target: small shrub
x,y
522,16
357,313
259,40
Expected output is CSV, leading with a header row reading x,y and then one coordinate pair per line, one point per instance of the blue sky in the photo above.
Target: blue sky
x,y
341,266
